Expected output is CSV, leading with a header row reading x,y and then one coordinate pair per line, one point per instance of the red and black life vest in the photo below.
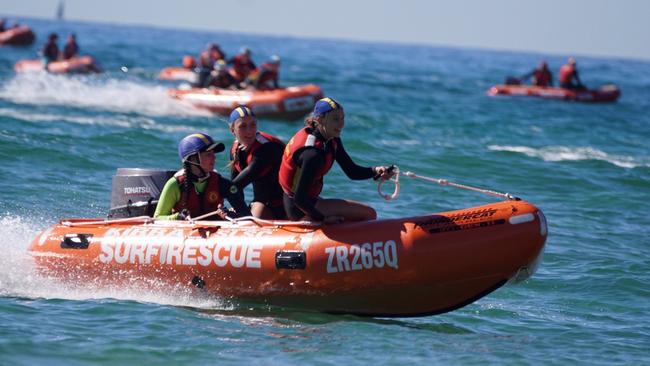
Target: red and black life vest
x,y
260,139
566,74
289,170
266,72
241,68
542,77
199,203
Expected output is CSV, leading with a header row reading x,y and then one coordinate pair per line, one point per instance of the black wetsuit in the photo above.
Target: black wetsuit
x,y
70,50
311,159
50,51
266,189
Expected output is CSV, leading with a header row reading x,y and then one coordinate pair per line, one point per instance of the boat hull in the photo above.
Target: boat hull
x,y
21,36
75,65
292,102
606,93
398,267
178,74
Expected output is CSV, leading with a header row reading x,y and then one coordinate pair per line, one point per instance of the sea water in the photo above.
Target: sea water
x,y
424,108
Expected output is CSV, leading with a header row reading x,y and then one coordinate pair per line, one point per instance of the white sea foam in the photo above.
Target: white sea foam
x,y
124,121
564,153
94,92
19,277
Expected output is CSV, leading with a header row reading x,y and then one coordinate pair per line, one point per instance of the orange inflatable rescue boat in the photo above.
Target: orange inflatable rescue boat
x,y
75,65
605,93
412,266
290,102
19,36
178,73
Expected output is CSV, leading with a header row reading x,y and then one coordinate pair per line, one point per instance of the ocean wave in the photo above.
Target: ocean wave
x,y
564,153
142,122
94,92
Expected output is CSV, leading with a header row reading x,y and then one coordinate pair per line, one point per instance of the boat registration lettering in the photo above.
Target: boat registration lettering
x,y
231,252
356,257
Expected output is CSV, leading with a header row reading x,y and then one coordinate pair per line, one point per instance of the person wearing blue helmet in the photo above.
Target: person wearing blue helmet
x,y
308,157
197,189
255,158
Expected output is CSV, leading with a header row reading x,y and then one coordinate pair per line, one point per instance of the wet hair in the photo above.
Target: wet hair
x,y
190,178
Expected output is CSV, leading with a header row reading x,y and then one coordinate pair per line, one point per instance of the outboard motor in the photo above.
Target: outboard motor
x,y
136,191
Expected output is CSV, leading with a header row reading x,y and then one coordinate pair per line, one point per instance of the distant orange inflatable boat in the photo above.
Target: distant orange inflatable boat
x,y
287,103
178,73
606,93
397,267
75,65
20,36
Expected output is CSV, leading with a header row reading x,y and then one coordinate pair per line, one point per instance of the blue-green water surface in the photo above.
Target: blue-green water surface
x,y
423,108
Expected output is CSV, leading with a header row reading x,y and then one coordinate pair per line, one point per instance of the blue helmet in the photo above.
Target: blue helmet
x,y
240,112
196,143
324,106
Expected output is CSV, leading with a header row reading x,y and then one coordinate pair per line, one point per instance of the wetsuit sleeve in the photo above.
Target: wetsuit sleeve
x,y
261,160
527,76
309,160
352,170
235,197
575,74
170,194
233,172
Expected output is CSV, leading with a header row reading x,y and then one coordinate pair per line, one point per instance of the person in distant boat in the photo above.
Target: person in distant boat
x,y
255,158
211,54
220,77
242,64
3,25
541,76
50,51
266,76
189,62
308,157
71,48
207,59
197,189
569,78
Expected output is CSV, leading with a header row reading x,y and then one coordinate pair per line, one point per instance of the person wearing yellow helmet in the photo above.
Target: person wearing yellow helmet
x,y
255,159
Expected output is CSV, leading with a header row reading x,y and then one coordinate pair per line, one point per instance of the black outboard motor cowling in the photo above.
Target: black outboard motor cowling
x,y
136,191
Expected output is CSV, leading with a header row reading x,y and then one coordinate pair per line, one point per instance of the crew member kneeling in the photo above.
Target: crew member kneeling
x,y
196,189
255,158
308,157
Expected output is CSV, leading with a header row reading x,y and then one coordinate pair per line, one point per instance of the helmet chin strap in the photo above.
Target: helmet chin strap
x,y
204,175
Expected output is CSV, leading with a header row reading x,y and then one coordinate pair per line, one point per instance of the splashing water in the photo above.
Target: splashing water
x,y
564,153
116,95
20,278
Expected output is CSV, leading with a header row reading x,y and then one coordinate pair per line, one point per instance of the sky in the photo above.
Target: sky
x,y
611,28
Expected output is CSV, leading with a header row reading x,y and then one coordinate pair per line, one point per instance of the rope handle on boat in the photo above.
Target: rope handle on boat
x,y
442,182
395,179
138,219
